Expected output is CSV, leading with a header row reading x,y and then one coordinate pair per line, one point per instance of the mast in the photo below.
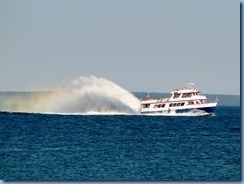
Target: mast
x,y
190,85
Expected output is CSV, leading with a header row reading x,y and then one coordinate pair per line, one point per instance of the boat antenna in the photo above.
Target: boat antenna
x,y
190,85
187,84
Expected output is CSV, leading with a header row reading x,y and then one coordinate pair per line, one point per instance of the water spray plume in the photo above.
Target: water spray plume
x,y
86,95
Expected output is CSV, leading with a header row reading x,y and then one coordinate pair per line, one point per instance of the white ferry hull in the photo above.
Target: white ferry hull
x,y
201,111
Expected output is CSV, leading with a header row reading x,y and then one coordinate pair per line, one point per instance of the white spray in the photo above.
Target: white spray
x,y
91,95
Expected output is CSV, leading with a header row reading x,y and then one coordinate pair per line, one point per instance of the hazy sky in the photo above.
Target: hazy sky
x,y
141,45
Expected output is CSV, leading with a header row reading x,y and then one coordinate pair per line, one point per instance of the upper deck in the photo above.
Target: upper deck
x,y
182,94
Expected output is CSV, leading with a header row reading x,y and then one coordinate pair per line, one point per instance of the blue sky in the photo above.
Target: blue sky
x,y
141,45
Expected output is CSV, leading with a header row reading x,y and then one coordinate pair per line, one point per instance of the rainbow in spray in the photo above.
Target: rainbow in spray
x,y
83,95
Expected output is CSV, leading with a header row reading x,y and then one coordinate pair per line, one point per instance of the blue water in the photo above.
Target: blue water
x,y
120,147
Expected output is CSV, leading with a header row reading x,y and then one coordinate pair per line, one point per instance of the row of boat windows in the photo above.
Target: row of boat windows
x,y
163,105
174,104
159,106
185,95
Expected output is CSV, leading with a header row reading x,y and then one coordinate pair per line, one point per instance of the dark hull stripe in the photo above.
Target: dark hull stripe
x,y
206,109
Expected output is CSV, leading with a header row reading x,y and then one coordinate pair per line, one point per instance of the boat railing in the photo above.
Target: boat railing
x,y
157,99
146,98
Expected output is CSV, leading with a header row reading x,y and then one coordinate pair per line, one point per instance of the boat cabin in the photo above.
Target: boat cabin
x,y
177,94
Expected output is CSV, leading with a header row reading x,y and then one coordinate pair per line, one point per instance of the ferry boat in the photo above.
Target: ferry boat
x,y
183,100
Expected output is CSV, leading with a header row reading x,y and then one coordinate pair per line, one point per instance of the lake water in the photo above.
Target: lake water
x,y
120,147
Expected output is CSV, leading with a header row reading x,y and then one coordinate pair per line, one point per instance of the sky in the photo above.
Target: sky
x,y
141,45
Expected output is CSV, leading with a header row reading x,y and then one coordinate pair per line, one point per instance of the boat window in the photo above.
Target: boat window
x,y
176,95
171,105
175,104
185,95
190,103
182,104
145,105
161,105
